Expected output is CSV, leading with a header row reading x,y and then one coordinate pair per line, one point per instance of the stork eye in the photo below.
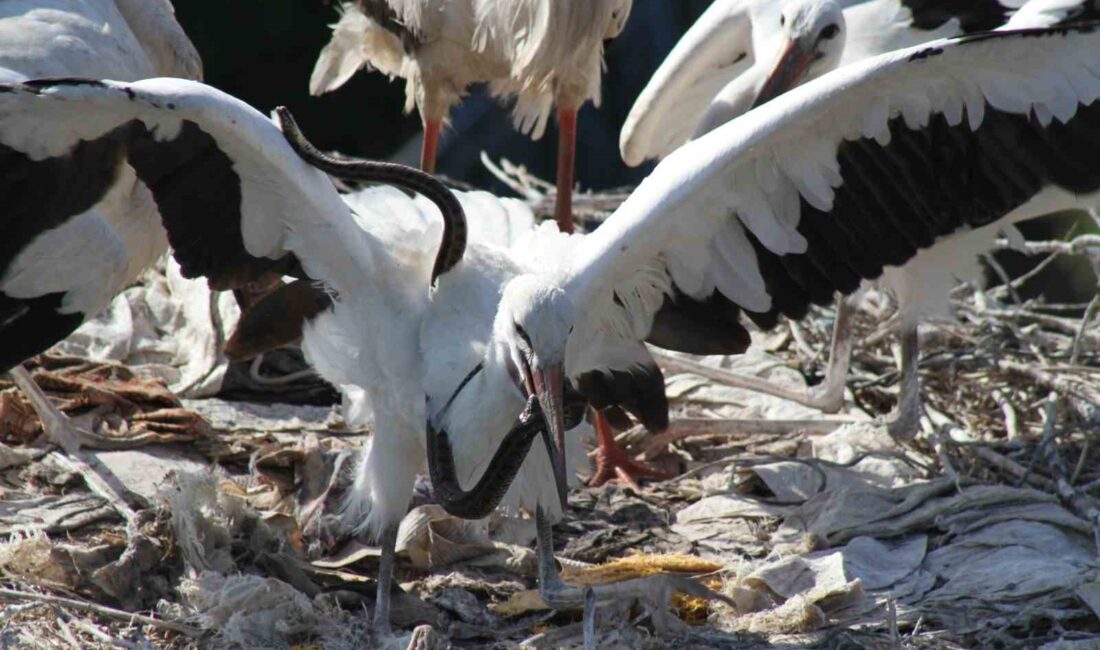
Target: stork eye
x,y
782,20
830,31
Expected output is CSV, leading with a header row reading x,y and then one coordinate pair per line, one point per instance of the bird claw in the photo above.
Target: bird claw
x,y
615,464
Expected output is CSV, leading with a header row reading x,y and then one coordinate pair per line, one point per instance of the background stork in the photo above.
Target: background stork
x,y
539,52
75,231
803,48
720,67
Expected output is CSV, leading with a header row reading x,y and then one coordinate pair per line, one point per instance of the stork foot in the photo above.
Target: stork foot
x,y
612,461
904,423
61,431
615,464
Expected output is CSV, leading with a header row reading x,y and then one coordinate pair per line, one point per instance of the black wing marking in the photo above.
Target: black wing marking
x,y
198,194
973,15
709,326
926,183
41,195
30,326
640,391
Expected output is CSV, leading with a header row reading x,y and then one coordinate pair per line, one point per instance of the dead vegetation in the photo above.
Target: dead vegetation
x,y
983,532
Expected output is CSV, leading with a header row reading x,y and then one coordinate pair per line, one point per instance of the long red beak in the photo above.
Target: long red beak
x,y
789,71
548,388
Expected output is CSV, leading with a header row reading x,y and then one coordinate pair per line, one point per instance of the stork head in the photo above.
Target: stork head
x,y
531,330
620,11
810,43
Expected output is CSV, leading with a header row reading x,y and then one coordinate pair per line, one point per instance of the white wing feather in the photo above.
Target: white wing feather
x,y
357,41
715,51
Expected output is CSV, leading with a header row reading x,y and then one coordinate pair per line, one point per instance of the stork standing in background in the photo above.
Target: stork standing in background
x,y
740,55
70,240
541,52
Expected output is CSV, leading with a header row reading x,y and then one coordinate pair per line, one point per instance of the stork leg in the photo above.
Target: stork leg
x,y
613,462
381,621
567,148
904,423
432,129
827,396
655,591
61,431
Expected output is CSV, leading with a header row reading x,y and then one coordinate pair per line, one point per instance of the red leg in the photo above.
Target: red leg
x,y
567,143
431,144
612,462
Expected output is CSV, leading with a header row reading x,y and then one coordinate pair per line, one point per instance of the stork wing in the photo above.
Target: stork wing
x,y
716,49
855,171
235,199
1049,13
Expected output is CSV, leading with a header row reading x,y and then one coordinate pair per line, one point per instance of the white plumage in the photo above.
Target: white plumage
x,y
113,39
125,40
537,52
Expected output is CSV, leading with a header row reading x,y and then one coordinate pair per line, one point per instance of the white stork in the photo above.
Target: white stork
x,y
810,38
840,178
541,52
71,240
740,53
